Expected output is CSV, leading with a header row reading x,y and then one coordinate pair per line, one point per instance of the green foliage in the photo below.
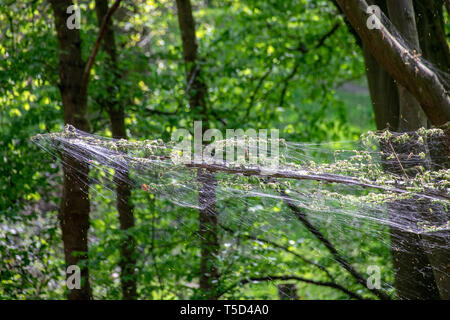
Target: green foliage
x,y
267,64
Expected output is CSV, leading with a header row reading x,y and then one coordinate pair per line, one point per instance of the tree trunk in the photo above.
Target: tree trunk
x,y
287,291
431,28
208,232
196,91
395,108
74,209
401,63
116,115
409,259
401,13
433,42
383,93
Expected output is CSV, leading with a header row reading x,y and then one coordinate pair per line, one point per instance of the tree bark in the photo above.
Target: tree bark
x,y
196,91
116,114
74,209
383,93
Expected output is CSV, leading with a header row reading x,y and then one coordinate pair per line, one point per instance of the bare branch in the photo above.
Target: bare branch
x,y
327,35
284,248
329,284
303,49
255,91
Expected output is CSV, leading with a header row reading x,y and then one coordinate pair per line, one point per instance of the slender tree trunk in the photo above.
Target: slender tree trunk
x,y
196,90
116,114
74,209
383,93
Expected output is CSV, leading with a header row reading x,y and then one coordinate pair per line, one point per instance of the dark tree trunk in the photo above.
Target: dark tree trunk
x,y
395,108
431,29
116,114
433,42
196,91
414,278
208,229
74,209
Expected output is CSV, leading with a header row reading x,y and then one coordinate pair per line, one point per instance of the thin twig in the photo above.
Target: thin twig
x,y
398,160
255,91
